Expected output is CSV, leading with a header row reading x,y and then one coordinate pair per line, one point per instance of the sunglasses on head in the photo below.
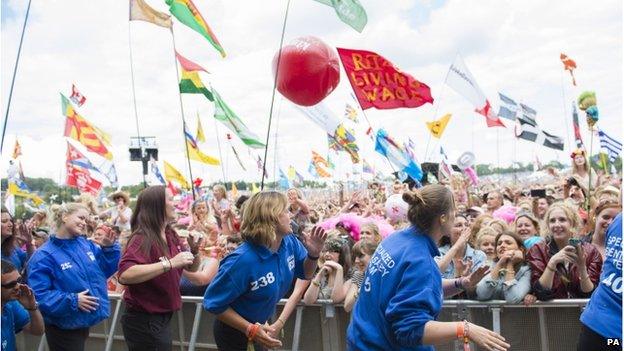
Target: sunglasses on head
x,y
12,284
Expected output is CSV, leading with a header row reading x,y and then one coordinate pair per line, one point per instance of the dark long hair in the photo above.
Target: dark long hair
x,y
8,245
149,218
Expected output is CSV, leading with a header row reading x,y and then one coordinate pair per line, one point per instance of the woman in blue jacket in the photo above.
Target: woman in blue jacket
x,y
402,292
252,279
68,276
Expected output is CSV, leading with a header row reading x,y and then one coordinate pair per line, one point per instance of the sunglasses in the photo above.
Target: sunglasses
x,y
12,284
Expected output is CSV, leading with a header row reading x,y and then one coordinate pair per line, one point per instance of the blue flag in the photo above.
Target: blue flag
x,y
397,155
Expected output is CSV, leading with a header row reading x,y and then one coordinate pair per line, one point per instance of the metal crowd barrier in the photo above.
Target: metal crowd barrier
x,y
543,326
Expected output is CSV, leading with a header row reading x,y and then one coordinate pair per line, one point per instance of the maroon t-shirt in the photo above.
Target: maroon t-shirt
x,y
157,295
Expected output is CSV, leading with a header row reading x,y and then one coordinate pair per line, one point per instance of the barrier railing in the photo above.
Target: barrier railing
x,y
543,326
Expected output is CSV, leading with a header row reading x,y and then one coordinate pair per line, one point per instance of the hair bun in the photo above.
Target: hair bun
x,y
412,197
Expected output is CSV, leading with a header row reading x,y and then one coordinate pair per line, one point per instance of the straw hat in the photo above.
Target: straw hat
x,y
121,194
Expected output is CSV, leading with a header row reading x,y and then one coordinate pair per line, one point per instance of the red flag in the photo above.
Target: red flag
x,y
378,83
569,65
491,118
76,97
79,177
172,188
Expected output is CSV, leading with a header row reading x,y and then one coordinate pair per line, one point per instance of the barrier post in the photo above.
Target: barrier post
x,y
542,329
181,328
111,332
198,315
297,329
496,322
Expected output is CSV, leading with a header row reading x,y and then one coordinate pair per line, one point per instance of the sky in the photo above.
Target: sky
x,y
511,47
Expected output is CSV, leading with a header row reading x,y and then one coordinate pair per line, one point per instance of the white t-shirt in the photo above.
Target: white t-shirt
x,y
127,213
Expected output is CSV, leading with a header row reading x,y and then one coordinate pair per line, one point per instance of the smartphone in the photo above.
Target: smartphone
x,y
538,193
574,242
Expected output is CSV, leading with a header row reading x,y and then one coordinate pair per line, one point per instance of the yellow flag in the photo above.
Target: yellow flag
x,y
200,132
437,127
195,154
234,192
172,174
15,190
254,188
17,149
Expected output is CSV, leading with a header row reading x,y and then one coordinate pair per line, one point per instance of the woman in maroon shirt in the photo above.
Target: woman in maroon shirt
x,y
562,268
151,268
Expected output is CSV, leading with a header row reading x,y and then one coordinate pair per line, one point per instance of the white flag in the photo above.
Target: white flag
x,y
461,80
322,116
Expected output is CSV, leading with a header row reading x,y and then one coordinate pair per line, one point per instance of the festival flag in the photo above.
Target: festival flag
x,y
437,127
173,175
378,83
320,165
76,97
508,108
107,168
577,128
461,80
240,162
186,12
530,131
609,144
172,188
299,180
351,113
291,173
195,154
397,155
156,172
224,114
528,113
367,168
17,187
234,192
190,83
200,137
568,65
78,159
254,188
350,12
79,129
343,140
9,203
80,178
140,11
189,65
445,170
283,182
17,149
260,166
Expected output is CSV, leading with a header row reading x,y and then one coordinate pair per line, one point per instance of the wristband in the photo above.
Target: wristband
x,y
281,321
460,330
313,258
458,284
34,308
550,269
315,283
466,336
252,330
166,267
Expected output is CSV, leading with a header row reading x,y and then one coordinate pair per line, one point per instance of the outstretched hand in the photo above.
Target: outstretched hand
x,y
315,240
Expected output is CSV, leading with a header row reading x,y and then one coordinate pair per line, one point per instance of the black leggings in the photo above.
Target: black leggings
x,y
230,339
592,341
65,339
147,331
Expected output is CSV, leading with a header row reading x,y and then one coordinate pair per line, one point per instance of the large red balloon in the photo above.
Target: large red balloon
x,y
308,71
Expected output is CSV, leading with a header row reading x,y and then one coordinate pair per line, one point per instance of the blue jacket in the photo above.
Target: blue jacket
x,y
14,319
252,279
401,292
61,269
603,314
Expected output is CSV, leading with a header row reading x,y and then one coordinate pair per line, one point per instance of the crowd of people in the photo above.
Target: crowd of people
x,y
521,243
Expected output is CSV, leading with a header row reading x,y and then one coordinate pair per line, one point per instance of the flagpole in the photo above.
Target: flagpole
x,y
565,113
279,58
219,147
275,155
435,113
188,159
19,51
136,113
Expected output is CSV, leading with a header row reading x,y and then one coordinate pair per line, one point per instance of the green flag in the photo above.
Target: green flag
x,y
186,12
350,12
224,114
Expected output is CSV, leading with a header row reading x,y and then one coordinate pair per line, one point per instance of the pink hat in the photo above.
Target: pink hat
x,y
507,213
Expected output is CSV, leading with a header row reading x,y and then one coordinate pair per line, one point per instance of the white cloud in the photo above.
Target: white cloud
x,y
510,46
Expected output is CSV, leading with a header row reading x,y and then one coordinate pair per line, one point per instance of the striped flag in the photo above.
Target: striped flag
x,y
508,108
612,146
78,128
577,128
186,12
396,154
531,132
